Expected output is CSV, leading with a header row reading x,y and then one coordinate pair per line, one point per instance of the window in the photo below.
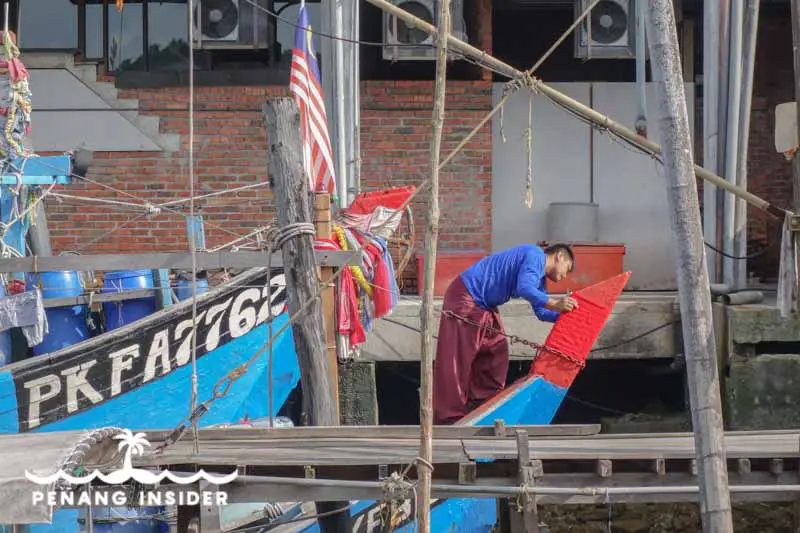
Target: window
x,y
54,27
287,11
168,36
152,35
126,49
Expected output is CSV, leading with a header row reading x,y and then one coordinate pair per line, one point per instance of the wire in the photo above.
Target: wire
x,y
657,159
192,236
145,203
279,523
598,349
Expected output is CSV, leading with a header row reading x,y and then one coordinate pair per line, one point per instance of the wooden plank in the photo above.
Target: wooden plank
x,y
100,298
252,490
386,432
604,468
525,515
324,228
154,261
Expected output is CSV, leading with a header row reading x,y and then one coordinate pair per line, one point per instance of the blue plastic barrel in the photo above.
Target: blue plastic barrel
x,y
125,520
183,288
66,325
5,342
118,314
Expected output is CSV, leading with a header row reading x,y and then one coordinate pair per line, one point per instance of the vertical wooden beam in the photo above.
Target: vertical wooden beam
x,y
293,202
525,518
324,227
694,297
431,242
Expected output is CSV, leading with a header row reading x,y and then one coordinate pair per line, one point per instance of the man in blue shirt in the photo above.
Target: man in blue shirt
x,y
472,361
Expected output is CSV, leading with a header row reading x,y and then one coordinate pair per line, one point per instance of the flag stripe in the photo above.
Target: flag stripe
x,y
305,86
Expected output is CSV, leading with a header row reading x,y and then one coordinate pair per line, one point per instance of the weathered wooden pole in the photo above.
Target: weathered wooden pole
x,y
293,205
426,313
693,286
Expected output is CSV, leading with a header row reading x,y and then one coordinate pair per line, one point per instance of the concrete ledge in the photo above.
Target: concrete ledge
x,y
397,339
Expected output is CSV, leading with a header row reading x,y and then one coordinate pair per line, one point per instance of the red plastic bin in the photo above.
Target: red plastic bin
x,y
449,265
594,262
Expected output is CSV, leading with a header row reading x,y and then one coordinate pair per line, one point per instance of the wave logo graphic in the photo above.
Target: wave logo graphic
x,y
133,445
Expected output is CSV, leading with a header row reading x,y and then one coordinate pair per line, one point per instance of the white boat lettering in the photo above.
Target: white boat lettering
x,y
40,390
278,284
184,352
241,321
158,355
143,355
121,360
214,318
77,383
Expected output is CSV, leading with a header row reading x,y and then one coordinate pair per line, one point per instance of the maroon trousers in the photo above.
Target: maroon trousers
x,y
471,363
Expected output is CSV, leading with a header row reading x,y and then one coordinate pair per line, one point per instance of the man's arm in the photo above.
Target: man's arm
x,y
546,315
530,286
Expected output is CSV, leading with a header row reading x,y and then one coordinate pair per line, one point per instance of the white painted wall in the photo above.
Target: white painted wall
x,y
572,164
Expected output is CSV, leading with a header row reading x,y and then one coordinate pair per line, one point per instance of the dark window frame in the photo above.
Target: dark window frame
x,y
273,72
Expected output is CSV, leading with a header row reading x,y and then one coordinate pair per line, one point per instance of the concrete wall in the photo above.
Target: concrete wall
x,y
761,370
56,128
397,339
573,163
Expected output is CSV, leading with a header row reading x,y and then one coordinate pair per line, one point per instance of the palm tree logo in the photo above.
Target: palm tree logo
x,y
133,444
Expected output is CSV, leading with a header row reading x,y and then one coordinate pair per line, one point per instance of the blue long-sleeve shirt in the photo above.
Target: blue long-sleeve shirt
x,y
514,273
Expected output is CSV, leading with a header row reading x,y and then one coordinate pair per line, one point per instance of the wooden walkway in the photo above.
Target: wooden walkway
x,y
569,464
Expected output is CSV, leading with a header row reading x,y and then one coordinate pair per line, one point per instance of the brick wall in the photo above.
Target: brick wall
x,y
770,175
231,151
395,137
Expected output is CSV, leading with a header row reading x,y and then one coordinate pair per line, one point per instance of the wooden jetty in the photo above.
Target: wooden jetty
x,y
571,464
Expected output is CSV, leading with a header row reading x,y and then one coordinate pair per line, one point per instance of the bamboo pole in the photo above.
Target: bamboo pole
x,y
585,112
695,300
425,469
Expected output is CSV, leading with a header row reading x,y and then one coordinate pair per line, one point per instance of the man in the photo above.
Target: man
x,y
472,362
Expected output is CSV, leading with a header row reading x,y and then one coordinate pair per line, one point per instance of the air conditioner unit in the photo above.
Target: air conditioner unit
x,y
230,24
609,32
406,43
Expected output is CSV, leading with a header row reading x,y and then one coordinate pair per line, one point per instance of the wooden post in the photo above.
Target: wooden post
x,y
293,204
426,313
695,298
324,227
524,518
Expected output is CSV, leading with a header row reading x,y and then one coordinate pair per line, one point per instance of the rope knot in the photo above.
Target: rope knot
x,y
152,209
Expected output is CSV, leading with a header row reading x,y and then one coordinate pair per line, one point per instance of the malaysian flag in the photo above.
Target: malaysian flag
x,y
304,82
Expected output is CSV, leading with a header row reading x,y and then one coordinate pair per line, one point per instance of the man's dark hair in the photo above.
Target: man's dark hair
x,y
555,249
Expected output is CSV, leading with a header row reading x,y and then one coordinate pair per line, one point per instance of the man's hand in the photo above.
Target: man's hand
x,y
562,305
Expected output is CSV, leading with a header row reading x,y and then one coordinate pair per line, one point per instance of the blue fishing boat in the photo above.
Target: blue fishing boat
x,y
138,375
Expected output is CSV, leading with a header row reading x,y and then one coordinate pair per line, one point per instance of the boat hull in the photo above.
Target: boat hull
x,y
532,400
139,376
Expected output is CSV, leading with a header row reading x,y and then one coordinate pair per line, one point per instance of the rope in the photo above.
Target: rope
x,y
77,454
15,101
278,237
529,139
